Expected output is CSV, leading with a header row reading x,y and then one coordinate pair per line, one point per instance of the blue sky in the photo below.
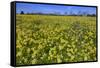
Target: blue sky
x,y
45,8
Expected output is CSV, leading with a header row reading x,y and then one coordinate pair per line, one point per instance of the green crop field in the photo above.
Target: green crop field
x,y
45,39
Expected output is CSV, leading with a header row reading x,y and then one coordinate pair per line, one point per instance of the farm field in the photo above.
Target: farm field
x,y
45,39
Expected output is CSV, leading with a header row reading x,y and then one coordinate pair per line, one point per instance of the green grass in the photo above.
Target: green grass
x,y
44,39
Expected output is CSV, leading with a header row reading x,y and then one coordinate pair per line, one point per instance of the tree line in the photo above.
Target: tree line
x,y
58,13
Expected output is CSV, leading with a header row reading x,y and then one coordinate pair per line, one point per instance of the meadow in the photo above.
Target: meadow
x,y
46,39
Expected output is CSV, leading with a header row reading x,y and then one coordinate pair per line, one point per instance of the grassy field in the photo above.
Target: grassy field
x,y
44,39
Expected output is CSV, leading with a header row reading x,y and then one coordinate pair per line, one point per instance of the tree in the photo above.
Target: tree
x,y
22,12
84,14
71,13
80,13
66,13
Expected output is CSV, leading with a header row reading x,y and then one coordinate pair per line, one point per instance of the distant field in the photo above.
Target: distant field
x,y
44,39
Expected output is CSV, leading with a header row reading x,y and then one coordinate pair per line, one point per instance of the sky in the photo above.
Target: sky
x,y
47,8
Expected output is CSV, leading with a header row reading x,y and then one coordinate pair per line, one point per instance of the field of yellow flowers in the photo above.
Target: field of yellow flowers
x,y
45,39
